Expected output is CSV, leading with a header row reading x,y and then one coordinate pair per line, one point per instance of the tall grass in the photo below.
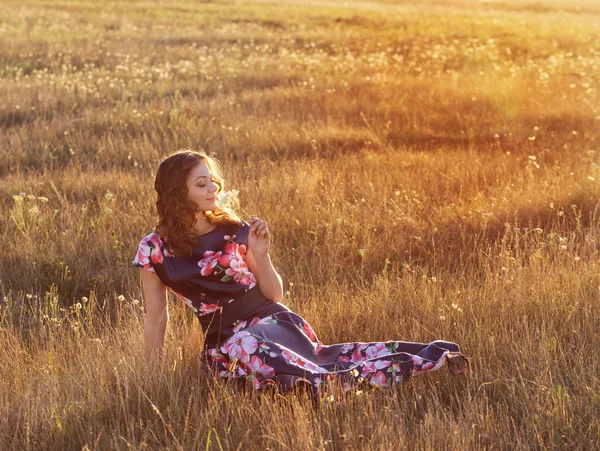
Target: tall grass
x,y
428,172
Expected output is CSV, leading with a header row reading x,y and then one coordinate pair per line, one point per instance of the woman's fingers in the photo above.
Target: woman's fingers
x,y
262,229
258,226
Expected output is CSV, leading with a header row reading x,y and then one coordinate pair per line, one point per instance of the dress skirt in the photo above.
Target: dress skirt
x,y
276,348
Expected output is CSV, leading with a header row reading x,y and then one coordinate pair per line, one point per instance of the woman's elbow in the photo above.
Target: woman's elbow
x,y
276,295
277,298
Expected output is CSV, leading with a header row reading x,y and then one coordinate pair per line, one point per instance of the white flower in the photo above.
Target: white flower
x,y
224,198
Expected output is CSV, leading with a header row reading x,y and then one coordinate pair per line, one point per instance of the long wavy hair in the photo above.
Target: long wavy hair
x,y
176,213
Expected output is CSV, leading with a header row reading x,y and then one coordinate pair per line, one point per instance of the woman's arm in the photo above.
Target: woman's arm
x,y
259,261
269,281
157,315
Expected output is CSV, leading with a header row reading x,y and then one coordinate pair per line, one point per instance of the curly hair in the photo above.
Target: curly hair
x,y
176,213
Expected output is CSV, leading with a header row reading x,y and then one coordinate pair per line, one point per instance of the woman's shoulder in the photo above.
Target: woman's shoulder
x,y
153,239
150,252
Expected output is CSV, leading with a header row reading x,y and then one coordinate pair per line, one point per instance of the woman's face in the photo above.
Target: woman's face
x,y
201,189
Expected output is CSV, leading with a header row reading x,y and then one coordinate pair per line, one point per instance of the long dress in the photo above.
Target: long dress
x,y
250,337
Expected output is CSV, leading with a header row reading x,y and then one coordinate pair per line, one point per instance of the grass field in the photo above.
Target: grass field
x,y
428,171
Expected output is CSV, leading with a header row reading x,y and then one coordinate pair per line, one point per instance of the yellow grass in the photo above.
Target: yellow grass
x,y
456,142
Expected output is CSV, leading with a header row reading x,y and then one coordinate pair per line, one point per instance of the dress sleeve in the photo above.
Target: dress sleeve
x,y
149,253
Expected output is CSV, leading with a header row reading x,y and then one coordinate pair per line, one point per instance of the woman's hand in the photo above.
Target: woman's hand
x,y
259,261
259,238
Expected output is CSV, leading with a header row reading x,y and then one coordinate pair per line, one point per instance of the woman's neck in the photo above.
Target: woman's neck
x,y
202,225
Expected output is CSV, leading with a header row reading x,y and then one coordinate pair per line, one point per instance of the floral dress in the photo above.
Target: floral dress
x,y
248,336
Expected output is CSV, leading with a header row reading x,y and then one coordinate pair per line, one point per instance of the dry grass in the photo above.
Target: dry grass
x,y
457,142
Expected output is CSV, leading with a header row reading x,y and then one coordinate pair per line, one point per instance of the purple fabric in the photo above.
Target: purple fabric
x,y
250,337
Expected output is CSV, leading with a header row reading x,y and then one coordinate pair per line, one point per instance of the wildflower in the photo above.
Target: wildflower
x,y
225,198
43,199
108,196
121,298
362,252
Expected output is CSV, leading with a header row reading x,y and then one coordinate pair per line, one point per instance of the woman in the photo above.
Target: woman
x,y
219,266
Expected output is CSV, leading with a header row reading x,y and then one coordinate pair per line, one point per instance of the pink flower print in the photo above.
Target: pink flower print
x,y
309,332
255,382
259,368
379,379
290,356
374,365
376,350
205,309
300,361
225,260
143,256
240,345
416,360
186,301
240,273
318,348
209,261
258,320
357,356
265,348
236,249
427,366
156,253
347,347
241,370
239,326
344,358
233,249
228,237
215,356
396,367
